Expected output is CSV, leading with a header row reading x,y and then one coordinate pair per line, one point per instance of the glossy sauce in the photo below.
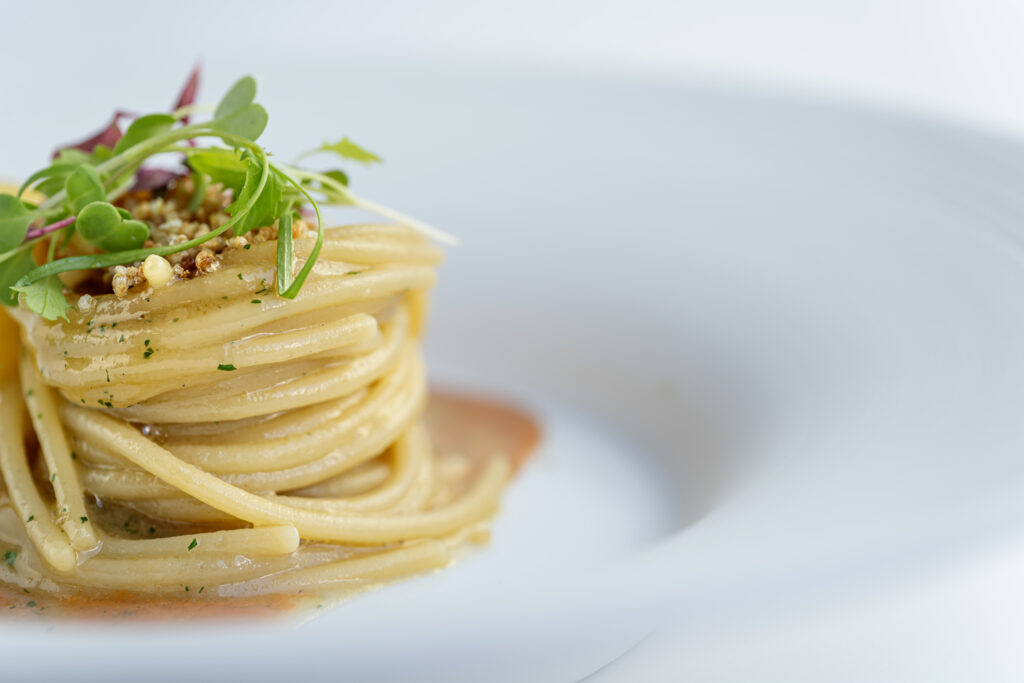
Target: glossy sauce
x,y
463,426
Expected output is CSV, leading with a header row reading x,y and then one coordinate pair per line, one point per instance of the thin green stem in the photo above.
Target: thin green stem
x,y
307,268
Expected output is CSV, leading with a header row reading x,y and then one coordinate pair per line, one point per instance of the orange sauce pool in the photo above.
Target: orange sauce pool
x,y
469,425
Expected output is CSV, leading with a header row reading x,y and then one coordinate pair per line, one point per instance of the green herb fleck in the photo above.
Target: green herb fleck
x,y
227,367
193,544
9,557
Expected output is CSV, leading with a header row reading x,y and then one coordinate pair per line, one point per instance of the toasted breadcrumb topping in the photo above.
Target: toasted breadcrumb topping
x,y
172,223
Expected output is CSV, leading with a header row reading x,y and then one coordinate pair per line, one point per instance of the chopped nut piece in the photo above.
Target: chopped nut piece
x,y
84,303
157,270
206,261
124,279
173,224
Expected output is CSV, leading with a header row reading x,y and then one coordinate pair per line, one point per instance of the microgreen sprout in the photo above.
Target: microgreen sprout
x,y
85,179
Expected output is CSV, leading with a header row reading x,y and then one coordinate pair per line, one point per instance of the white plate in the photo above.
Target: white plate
x,y
776,347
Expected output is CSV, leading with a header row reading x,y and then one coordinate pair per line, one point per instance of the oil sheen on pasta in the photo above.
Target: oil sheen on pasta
x,y
464,428
210,440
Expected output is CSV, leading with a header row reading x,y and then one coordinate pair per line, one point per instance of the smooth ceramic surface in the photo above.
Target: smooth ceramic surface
x,y
776,346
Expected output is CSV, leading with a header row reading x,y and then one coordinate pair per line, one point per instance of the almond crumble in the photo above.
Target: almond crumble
x,y
171,222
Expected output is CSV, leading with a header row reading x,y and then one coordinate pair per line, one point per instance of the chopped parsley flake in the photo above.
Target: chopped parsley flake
x,y
226,367
84,519
255,301
193,544
31,518
148,353
9,557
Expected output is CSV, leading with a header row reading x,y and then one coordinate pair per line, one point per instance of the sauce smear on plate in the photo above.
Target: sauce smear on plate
x,y
463,427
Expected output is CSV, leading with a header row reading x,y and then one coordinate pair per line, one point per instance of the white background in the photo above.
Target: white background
x,y
961,58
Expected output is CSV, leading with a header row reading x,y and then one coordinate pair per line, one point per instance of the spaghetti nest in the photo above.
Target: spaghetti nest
x,y
211,433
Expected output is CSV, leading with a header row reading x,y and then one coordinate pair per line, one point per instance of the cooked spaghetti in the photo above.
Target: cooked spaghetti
x,y
212,435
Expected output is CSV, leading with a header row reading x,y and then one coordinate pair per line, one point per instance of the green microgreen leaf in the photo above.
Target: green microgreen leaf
x,y
240,96
82,187
103,224
347,149
46,297
144,128
74,157
55,174
262,185
248,123
198,192
130,235
223,166
101,153
12,270
97,220
338,175
14,222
